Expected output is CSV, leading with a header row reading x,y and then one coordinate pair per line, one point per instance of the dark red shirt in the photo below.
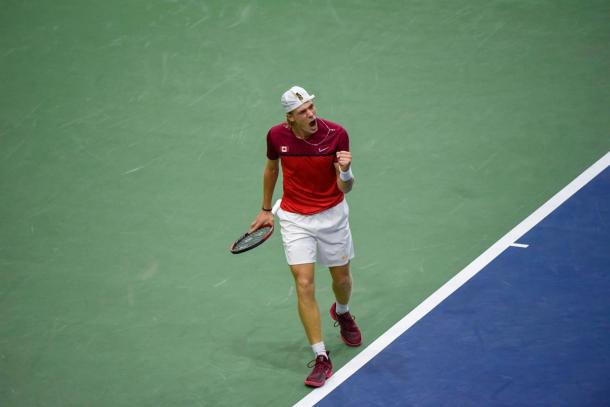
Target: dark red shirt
x,y
308,170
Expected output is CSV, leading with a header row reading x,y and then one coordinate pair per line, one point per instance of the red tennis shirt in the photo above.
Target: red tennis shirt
x,y
309,176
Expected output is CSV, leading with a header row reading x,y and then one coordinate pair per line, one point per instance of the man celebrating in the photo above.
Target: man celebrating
x,y
316,168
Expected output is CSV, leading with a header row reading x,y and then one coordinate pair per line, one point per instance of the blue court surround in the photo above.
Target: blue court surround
x,y
532,328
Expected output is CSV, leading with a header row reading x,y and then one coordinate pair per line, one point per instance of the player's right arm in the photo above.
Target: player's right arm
x,y
270,175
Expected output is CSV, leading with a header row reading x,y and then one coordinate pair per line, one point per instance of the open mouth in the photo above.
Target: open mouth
x,y
312,123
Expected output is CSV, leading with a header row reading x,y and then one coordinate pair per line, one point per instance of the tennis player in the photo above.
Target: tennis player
x,y
316,167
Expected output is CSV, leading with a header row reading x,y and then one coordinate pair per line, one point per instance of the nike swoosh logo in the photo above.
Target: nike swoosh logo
x,y
322,149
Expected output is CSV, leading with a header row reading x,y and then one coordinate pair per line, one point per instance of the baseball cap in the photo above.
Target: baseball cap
x,y
295,97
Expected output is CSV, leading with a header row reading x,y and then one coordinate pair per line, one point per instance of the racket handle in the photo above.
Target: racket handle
x,y
276,206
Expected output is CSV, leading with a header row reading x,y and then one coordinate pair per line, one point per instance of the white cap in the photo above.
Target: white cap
x,y
295,97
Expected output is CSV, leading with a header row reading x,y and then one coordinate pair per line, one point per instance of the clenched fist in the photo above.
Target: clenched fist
x,y
344,159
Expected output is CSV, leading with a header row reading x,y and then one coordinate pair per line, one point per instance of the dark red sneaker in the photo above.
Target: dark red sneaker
x,y
350,333
322,370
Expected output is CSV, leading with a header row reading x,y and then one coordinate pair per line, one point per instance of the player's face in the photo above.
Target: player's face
x,y
303,118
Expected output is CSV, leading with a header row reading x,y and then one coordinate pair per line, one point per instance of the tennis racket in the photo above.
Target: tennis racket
x,y
250,240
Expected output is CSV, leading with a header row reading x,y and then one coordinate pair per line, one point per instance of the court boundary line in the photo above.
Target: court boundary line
x,y
385,339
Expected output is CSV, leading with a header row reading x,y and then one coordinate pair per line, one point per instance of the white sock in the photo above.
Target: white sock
x,y
341,308
319,349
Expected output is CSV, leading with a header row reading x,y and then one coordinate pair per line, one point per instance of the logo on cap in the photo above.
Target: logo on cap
x,y
299,96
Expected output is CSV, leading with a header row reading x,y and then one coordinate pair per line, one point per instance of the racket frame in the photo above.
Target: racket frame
x,y
264,238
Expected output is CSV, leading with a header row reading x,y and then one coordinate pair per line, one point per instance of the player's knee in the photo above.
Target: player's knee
x,y
343,281
341,276
305,285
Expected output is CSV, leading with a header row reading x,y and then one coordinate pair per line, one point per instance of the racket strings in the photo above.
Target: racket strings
x,y
251,239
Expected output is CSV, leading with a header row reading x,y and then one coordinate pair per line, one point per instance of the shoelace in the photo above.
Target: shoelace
x,y
337,323
313,363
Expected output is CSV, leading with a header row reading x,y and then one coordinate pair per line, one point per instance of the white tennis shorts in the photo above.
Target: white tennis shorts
x,y
324,237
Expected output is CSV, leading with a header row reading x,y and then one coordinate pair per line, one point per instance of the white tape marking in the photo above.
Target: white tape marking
x,y
520,245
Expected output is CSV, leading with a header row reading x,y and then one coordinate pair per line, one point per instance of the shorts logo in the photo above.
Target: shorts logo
x,y
284,149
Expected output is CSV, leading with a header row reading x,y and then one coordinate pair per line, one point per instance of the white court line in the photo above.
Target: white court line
x,y
519,245
456,282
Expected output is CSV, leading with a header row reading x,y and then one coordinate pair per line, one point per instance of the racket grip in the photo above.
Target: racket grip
x,y
276,206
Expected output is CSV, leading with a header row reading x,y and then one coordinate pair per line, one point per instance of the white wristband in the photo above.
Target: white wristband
x,y
347,175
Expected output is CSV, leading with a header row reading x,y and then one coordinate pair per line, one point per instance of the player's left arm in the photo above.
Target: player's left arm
x,y
345,178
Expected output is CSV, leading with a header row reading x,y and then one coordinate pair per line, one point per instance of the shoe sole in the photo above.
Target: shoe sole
x,y
353,345
319,384
345,341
